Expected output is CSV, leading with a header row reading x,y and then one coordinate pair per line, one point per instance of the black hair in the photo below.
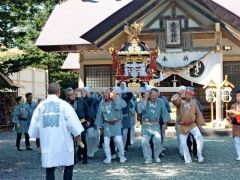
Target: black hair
x,y
18,99
28,94
155,90
238,91
69,89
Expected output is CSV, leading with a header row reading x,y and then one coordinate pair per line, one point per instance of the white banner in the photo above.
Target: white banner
x,y
199,71
212,70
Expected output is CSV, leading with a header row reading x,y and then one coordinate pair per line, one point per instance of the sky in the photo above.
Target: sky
x,y
232,5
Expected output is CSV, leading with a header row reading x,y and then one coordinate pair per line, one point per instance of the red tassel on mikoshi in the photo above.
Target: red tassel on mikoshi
x,y
115,59
116,63
153,62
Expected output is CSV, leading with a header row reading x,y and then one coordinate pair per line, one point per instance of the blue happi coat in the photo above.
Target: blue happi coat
x,y
30,107
109,111
152,111
20,116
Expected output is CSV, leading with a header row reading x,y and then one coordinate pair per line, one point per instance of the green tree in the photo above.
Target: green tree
x,y
20,25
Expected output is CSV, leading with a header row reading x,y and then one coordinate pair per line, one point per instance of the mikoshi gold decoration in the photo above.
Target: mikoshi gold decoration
x,y
134,62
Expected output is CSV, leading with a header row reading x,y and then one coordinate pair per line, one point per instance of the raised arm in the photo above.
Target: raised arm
x,y
176,99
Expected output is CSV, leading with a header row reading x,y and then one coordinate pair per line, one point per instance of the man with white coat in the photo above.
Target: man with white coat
x,y
54,121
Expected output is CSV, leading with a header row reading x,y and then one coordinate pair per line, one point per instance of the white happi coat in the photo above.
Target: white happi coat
x,y
54,121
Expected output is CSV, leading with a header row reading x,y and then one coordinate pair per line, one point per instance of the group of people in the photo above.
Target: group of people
x,y
91,121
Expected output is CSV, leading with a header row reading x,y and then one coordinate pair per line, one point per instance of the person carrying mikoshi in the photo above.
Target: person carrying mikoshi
x,y
234,116
109,117
151,107
190,121
84,115
92,133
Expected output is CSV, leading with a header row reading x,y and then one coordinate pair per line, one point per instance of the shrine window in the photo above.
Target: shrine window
x,y
99,76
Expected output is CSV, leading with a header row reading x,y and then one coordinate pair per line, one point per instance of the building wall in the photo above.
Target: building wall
x,y
31,80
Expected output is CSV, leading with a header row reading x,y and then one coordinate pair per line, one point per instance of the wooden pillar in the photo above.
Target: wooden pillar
x,y
219,77
219,80
81,70
219,114
212,113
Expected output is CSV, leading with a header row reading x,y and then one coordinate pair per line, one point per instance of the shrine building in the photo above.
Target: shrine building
x,y
198,41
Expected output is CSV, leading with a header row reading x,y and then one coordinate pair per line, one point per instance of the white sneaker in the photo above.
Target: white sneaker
x,y
123,159
114,156
188,162
157,160
91,155
147,161
238,159
200,160
107,161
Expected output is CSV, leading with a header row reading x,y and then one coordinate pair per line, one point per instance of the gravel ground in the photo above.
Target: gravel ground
x,y
219,163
